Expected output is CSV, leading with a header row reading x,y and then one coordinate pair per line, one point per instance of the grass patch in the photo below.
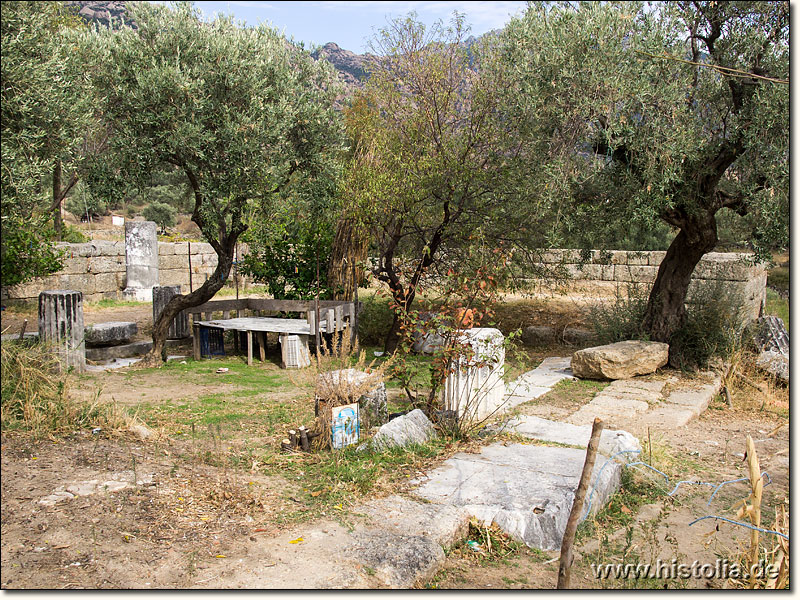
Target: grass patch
x,y
778,306
778,278
334,480
111,303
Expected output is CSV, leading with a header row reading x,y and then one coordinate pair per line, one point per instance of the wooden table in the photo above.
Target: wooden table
x,y
261,326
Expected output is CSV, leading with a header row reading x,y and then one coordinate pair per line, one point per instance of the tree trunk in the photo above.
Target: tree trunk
x,y
404,299
204,293
57,222
666,306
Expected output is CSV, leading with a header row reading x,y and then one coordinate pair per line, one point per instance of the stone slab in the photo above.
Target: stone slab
x,y
397,561
126,350
413,428
112,333
611,441
442,523
621,360
526,489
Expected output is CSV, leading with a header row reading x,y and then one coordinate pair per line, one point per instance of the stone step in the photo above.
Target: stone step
x,y
527,490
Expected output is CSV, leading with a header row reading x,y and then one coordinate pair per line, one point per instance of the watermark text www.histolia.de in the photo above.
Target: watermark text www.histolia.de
x,y
721,569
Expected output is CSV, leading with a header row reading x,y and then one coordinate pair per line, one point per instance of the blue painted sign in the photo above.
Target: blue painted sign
x,y
344,425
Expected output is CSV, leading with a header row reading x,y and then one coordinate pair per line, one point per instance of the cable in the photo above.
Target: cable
x,y
783,535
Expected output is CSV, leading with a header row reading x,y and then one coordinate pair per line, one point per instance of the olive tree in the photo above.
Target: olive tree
x,y
667,111
244,114
46,114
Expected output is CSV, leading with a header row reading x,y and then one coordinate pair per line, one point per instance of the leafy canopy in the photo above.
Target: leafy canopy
x,y
45,112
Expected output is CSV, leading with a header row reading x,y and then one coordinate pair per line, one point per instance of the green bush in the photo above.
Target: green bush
x,y
374,321
162,214
73,235
713,326
81,202
621,320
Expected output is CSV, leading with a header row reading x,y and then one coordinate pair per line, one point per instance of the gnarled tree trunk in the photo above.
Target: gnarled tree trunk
x,y
204,293
666,306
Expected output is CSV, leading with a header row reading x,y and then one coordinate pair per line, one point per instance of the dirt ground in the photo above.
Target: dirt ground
x,y
178,515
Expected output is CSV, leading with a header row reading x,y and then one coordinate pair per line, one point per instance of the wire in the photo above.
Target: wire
x,y
783,535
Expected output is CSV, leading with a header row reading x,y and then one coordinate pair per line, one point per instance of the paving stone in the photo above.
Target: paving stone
x,y
442,523
398,561
55,498
112,333
611,441
526,489
83,488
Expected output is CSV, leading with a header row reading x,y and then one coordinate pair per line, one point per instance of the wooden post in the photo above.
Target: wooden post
x,y
236,268
330,318
249,348
293,438
196,340
354,314
565,563
22,331
316,313
262,341
190,266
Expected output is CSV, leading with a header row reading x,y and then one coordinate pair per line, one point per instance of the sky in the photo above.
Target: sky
x,y
351,24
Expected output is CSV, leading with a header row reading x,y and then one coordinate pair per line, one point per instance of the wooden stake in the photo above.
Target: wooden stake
x,y
577,507
354,317
316,313
22,331
293,438
304,439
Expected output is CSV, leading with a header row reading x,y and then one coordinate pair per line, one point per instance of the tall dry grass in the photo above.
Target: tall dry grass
x,y
36,398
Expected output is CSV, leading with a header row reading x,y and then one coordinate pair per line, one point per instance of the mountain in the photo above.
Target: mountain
x,y
350,66
106,13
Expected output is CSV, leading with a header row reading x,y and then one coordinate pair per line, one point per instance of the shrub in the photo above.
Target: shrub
x,y
713,326
73,235
81,203
621,320
374,321
162,214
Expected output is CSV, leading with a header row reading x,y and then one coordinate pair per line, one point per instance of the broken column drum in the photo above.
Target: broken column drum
x,y
61,323
179,328
141,260
474,387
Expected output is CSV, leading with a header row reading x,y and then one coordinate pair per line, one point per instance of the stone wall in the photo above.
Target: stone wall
x,y
608,273
98,270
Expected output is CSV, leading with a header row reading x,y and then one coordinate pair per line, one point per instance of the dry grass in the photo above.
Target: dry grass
x,y
36,399
332,389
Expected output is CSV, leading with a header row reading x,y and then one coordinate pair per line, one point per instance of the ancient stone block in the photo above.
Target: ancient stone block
x,y
141,255
622,360
413,428
111,333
